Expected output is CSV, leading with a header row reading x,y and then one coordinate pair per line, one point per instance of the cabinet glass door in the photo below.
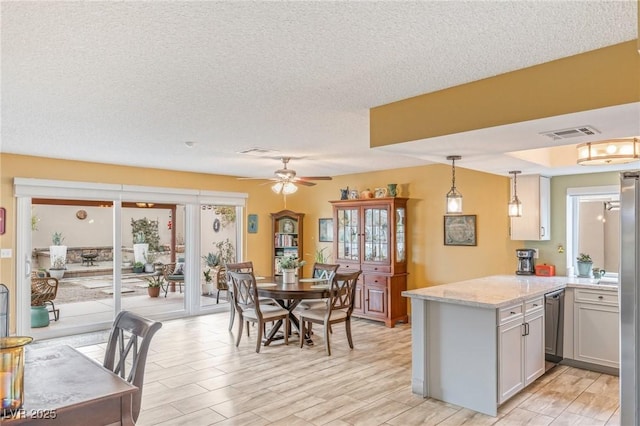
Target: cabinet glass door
x,y
376,241
348,235
401,245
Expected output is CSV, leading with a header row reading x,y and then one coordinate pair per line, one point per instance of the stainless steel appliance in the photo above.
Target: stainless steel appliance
x,y
525,262
553,325
629,297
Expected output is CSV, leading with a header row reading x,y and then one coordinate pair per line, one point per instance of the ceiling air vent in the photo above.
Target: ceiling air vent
x,y
571,132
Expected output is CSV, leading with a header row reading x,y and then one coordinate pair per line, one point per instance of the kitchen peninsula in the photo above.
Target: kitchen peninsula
x,y
477,343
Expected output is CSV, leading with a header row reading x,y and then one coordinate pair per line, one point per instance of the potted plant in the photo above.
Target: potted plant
x,y
289,266
140,247
57,250
154,284
138,267
58,268
584,265
208,282
149,261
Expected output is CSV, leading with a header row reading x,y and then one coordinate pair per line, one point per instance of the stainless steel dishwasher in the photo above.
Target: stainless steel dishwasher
x,y
553,325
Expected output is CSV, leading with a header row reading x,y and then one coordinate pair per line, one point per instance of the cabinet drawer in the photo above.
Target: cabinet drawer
x,y
376,268
375,279
510,313
609,298
533,305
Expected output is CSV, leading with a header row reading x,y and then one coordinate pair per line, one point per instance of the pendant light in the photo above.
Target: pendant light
x,y
454,198
515,206
612,151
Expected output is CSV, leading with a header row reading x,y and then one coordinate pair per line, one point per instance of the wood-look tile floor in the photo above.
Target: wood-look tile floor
x,y
195,375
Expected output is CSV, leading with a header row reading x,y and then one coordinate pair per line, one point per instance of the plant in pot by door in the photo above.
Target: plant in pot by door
x,y
149,261
154,284
138,267
289,265
584,265
58,268
57,250
208,282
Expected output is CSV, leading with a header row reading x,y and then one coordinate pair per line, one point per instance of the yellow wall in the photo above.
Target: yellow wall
x,y
591,80
430,262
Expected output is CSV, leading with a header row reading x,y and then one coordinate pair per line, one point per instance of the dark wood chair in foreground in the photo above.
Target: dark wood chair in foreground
x,y
127,348
4,311
338,309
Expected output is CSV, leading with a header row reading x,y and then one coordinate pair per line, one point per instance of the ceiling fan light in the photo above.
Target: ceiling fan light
x,y
614,151
289,188
277,187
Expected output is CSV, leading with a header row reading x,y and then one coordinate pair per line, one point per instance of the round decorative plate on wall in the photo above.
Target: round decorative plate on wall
x,y
81,214
287,226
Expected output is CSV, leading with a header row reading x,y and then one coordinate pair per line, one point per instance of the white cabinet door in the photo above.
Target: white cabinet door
x,y
534,191
534,363
510,359
596,331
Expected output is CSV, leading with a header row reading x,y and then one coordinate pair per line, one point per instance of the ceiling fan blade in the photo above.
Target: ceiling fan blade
x,y
304,182
315,177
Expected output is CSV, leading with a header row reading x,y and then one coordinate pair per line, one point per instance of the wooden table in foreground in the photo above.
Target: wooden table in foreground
x,y
64,387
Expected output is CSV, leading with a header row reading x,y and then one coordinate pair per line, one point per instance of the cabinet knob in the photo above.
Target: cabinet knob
x,y
512,313
535,304
600,297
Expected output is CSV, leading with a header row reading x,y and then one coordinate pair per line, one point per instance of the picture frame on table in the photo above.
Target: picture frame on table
x,y
325,230
460,230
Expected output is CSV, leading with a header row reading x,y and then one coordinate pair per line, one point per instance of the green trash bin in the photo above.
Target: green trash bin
x,y
39,316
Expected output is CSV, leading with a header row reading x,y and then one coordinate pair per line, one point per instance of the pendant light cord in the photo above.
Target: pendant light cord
x,y
453,174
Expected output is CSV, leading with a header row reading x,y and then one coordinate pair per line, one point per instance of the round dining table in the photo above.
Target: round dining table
x,y
289,296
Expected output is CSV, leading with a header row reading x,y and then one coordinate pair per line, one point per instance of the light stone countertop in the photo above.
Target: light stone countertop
x,y
498,291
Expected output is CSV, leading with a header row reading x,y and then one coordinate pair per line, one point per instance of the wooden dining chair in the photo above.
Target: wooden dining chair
x,y
235,267
326,270
128,346
250,309
338,309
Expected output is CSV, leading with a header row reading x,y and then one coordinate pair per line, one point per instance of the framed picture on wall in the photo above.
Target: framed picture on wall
x,y
460,230
325,233
252,223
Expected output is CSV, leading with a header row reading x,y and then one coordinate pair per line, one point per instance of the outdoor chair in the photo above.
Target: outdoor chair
x,y
338,309
43,293
250,309
127,347
173,274
221,283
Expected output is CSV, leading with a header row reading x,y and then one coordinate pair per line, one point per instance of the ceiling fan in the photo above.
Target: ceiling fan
x,y
286,179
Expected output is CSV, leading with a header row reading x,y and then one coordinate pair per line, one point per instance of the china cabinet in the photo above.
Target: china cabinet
x,y
287,231
370,235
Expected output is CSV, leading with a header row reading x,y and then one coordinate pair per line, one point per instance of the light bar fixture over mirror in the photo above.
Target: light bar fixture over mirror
x,y
612,151
515,206
454,198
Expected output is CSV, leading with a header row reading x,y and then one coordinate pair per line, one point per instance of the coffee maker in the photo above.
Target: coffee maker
x,y
525,262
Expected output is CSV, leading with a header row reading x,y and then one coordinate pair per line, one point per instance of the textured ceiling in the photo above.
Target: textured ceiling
x,y
130,82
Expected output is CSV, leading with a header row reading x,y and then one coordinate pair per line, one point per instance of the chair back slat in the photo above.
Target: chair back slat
x,y
245,291
128,346
343,288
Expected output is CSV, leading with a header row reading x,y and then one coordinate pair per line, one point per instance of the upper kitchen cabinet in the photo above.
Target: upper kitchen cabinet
x,y
534,191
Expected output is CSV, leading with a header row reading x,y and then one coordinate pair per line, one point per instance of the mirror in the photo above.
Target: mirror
x,y
593,227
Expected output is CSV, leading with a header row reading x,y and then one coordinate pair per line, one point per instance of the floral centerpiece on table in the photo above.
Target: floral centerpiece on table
x,y
290,262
